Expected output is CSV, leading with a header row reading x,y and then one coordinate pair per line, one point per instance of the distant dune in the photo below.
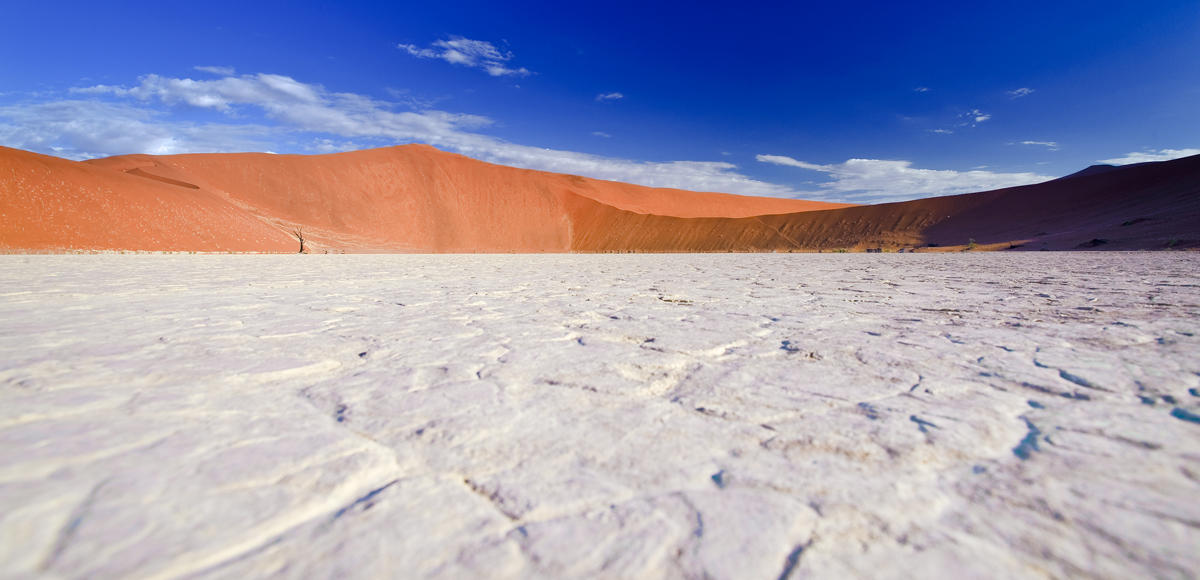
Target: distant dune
x,y
415,198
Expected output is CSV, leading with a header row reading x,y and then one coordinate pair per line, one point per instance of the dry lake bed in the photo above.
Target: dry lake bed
x,y
600,416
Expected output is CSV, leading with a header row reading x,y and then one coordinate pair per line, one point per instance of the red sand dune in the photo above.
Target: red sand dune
x,y
407,198
416,198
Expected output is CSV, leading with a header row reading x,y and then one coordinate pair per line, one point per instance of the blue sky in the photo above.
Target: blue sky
x,y
861,102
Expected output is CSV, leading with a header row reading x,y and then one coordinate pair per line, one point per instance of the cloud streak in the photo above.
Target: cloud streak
x,y
470,53
225,71
878,180
1051,144
609,96
1151,155
1021,92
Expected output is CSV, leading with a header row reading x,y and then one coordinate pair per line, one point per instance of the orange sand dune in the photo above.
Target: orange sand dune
x,y
417,198
47,203
407,198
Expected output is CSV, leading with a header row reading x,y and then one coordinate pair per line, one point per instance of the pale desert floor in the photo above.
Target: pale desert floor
x,y
600,416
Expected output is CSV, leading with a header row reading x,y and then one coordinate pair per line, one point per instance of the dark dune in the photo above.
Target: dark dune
x,y
1091,170
1159,202
416,198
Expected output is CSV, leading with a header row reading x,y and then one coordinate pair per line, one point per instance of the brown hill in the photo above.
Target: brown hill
x,y
416,198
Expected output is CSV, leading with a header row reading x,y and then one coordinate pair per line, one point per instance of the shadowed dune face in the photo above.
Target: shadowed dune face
x,y
1147,207
419,199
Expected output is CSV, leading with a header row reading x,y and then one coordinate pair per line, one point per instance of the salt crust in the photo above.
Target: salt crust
x,y
599,416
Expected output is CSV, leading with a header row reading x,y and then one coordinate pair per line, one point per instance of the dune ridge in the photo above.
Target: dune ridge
x,y
415,198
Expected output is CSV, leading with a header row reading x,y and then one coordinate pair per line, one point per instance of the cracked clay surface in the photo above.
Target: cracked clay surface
x,y
600,416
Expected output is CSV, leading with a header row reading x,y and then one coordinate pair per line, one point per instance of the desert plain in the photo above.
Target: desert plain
x,y
965,415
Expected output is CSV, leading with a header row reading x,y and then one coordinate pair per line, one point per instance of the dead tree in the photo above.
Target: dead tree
x,y
299,233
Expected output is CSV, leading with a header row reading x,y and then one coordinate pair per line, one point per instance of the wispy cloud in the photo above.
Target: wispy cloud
x,y
1021,92
1151,155
225,71
331,146
877,180
922,89
88,129
275,92
940,131
609,96
471,53
404,97
1051,144
969,118
600,134
278,113
781,160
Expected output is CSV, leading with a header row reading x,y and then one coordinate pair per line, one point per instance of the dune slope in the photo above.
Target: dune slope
x,y
49,203
406,198
1147,206
417,198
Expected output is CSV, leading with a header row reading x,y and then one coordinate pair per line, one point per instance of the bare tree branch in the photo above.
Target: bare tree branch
x,y
299,233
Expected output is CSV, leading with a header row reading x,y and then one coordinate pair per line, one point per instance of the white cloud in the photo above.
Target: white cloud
x,y
225,71
1151,155
609,96
922,89
1051,144
877,180
269,91
972,118
1021,92
316,120
404,97
600,134
331,146
467,52
90,129
781,160
940,131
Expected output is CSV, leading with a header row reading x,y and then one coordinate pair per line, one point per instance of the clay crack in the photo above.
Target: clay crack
x,y
367,501
492,497
1024,450
793,560
67,534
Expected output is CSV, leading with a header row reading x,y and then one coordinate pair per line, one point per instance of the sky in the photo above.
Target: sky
x,y
865,102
